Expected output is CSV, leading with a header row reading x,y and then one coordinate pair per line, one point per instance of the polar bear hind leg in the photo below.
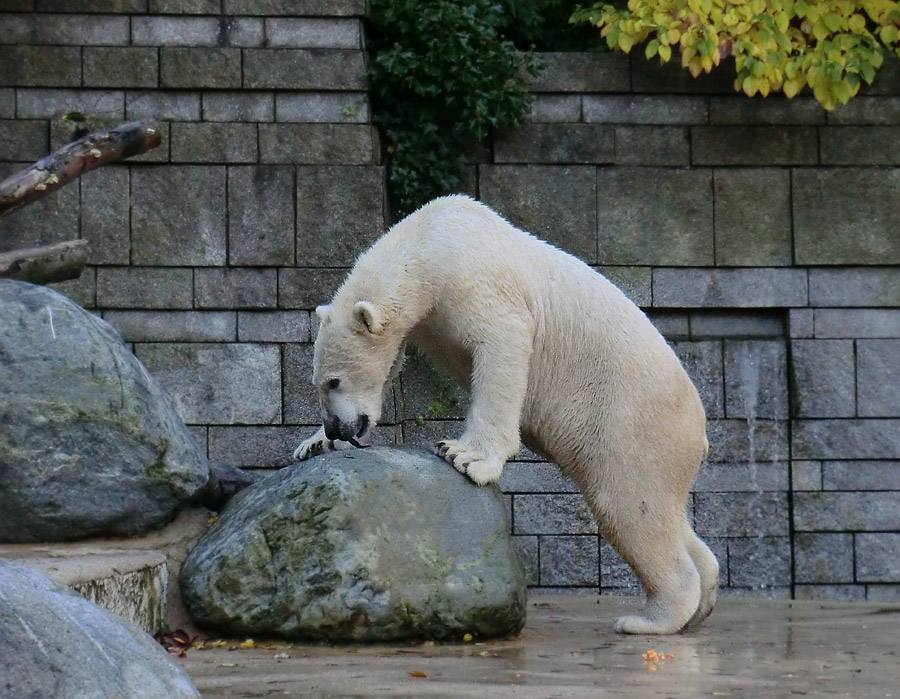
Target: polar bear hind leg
x,y
708,567
651,539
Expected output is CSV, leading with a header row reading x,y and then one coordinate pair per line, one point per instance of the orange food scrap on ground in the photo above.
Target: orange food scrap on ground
x,y
417,673
653,659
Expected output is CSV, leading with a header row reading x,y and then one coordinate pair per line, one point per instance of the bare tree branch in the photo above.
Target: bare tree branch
x,y
74,159
47,264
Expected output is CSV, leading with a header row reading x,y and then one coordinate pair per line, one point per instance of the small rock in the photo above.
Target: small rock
x,y
89,444
57,644
380,544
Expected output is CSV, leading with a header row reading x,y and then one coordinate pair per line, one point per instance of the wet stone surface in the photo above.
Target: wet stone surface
x,y
748,648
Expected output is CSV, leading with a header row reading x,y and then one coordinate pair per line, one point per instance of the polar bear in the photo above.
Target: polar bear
x,y
553,354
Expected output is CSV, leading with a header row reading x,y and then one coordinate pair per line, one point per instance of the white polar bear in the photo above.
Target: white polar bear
x,y
553,354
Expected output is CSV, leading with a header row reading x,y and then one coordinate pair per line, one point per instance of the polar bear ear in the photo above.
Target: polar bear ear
x,y
324,313
368,317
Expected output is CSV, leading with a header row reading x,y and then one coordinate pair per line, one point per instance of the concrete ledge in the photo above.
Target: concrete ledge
x,y
134,578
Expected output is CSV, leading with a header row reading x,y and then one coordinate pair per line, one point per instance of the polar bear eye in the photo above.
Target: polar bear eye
x,y
333,384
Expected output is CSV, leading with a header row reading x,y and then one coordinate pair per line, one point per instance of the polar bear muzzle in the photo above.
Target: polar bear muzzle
x,y
336,429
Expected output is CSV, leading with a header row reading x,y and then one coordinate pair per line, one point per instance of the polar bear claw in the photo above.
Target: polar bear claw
x,y
481,468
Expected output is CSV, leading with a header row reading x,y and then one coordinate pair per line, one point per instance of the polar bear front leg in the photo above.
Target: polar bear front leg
x,y
317,444
491,436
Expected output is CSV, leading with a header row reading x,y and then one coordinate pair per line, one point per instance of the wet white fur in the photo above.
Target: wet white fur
x,y
554,354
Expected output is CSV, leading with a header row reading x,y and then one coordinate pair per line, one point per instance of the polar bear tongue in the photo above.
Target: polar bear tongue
x,y
356,443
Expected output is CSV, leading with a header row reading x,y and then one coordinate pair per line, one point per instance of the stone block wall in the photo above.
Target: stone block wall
x,y
761,236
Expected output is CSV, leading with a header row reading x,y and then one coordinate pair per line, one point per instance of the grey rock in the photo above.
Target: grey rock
x,y
379,545
57,644
89,444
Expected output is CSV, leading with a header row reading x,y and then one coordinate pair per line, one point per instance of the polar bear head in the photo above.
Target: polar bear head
x,y
355,353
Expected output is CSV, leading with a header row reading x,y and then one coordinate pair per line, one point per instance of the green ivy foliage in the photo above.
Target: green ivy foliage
x,y
442,78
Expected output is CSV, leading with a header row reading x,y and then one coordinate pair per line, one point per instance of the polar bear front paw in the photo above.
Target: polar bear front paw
x,y
315,445
481,468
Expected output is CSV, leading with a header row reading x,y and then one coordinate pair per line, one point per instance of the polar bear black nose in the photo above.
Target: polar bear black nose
x,y
333,428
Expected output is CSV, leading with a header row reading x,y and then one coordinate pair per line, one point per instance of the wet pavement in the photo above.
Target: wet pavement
x,y
748,648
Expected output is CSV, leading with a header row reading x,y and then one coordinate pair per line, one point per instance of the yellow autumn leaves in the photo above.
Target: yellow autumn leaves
x,y
831,47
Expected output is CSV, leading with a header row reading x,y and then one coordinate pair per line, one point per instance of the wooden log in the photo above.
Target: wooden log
x,y
74,159
47,264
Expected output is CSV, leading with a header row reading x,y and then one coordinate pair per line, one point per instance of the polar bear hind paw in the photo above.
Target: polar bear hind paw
x,y
481,468
313,446
642,625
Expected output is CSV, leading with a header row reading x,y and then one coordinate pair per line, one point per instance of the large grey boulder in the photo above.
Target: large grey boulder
x,y
55,643
89,445
378,544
